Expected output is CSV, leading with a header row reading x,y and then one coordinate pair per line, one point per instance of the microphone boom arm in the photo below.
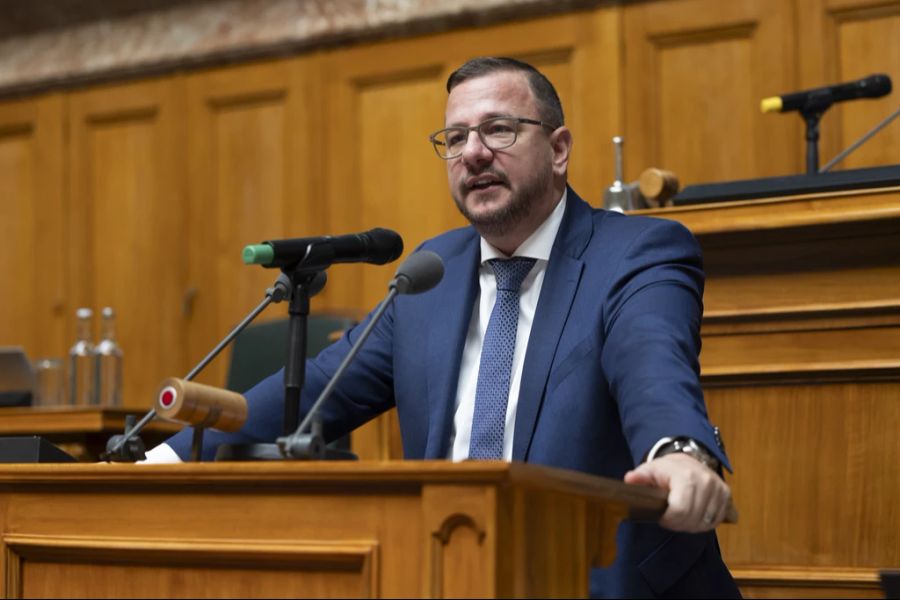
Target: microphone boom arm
x,y
116,446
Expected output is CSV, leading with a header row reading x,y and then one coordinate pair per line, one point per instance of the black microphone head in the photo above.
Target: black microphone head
x,y
420,272
876,86
382,245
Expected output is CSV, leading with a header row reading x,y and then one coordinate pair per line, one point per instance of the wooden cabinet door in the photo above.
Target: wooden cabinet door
x,y
695,72
254,165
128,243
32,275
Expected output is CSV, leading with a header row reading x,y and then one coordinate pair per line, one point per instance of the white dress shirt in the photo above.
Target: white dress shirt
x,y
537,246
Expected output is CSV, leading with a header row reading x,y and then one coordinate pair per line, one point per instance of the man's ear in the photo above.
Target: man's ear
x,y
561,143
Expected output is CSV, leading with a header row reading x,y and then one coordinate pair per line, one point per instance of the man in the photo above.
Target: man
x,y
559,335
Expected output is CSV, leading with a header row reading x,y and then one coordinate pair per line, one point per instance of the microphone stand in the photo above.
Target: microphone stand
x,y
305,282
128,447
311,446
304,286
420,272
812,112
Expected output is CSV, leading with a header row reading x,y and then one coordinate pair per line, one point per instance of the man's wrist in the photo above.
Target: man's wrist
x,y
684,445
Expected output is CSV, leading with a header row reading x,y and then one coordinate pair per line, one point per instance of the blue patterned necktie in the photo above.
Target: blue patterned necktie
x,y
492,391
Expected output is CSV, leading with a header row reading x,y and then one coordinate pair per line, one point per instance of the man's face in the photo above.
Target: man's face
x,y
499,191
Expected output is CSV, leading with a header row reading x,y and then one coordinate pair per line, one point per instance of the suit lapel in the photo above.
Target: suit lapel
x,y
557,293
446,337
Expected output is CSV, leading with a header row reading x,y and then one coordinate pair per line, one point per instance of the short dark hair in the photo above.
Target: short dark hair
x,y
549,106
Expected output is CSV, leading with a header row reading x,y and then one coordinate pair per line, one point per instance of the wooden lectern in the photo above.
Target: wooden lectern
x,y
290,529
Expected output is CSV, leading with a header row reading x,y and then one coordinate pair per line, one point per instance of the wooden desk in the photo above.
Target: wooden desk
x,y
80,431
423,529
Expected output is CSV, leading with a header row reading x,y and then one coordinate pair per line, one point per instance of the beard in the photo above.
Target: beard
x,y
517,209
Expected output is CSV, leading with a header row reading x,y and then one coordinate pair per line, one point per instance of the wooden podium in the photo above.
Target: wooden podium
x,y
290,529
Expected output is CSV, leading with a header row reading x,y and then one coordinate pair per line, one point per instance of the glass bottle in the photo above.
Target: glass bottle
x,y
109,362
83,362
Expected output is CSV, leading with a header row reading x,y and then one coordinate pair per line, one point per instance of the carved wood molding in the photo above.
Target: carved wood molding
x,y
789,374
799,576
358,556
784,212
440,540
455,521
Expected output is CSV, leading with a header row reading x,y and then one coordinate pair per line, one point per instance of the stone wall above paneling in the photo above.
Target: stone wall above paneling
x,y
69,43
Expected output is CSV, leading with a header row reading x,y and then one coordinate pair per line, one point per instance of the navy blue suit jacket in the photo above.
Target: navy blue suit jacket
x,y
611,368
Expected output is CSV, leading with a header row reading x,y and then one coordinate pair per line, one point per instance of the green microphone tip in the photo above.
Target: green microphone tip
x,y
258,254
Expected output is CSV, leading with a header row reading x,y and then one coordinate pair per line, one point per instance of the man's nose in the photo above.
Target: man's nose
x,y
475,151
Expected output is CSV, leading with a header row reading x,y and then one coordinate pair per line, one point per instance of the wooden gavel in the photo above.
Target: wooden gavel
x,y
200,405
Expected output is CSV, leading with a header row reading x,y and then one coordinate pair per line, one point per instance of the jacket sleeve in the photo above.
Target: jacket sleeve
x,y
651,353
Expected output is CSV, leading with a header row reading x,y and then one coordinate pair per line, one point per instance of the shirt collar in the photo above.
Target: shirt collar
x,y
539,243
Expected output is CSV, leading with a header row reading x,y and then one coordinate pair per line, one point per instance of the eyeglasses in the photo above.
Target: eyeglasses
x,y
496,133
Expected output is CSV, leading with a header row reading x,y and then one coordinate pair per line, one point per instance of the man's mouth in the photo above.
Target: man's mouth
x,y
483,182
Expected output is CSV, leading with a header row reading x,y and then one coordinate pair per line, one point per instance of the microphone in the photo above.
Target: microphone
x,y
377,246
200,405
873,86
420,272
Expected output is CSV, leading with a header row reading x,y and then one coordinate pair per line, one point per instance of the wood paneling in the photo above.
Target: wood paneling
x,y
135,567
817,485
844,40
126,224
695,71
254,176
32,272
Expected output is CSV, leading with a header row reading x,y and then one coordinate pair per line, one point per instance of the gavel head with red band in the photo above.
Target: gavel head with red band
x,y
200,405
167,397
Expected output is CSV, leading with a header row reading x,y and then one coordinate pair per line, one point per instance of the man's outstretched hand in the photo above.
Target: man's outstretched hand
x,y
698,498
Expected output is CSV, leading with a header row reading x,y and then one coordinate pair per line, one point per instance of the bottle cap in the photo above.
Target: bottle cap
x,y
84,313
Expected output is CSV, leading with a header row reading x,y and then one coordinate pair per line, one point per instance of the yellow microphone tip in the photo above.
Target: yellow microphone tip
x,y
772,104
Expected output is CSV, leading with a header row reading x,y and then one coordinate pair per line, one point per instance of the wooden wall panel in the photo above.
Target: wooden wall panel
x,y
383,101
82,567
253,177
127,224
400,184
695,71
32,276
844,40
816,485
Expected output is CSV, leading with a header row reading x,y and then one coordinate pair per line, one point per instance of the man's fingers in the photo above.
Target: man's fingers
x,y
646,474
724,501
682,504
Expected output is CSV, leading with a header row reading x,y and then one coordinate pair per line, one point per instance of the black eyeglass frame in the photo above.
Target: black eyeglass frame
x,y
477,128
